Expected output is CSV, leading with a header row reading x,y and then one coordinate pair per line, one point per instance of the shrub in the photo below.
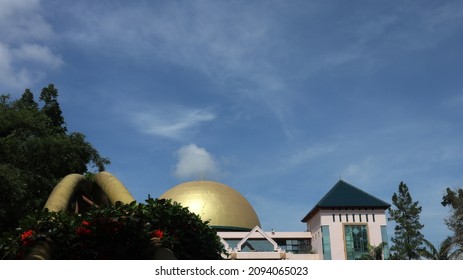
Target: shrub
x,y
122,231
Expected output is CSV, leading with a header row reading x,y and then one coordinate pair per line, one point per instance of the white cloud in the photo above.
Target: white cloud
x,y
171,121
25,65
37,53
22,20
196,163
24,56
11,78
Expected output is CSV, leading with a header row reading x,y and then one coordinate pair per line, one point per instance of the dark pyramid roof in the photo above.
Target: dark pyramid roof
x,y
345,195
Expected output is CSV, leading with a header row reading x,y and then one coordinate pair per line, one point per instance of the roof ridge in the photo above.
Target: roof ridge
x,y
346,195
364,192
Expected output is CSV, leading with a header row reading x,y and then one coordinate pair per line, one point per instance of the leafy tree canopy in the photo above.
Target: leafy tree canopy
x,y
445,251
36,151
454,200
408,239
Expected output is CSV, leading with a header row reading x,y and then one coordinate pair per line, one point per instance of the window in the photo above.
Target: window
x,y
326,244
257,245
366,216
353,218
384,239
295,246
360,217
340,219
373,216
334,218
347,218
356,237
233,242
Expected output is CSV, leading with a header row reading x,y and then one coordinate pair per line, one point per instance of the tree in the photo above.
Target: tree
x,y
407,239
445,251
454,200
36,152
51,108
27,101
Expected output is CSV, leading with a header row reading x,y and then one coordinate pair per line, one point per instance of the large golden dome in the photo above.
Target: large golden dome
x,y
222,206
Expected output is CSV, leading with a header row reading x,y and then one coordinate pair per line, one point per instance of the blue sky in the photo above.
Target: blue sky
x,y
278,99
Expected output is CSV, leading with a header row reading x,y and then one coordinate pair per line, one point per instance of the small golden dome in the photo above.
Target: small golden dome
x,y
221,205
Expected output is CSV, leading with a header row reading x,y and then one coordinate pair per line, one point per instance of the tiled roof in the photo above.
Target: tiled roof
x,y
345,195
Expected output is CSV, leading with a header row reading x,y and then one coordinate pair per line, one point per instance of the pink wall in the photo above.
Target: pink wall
x,y
325,218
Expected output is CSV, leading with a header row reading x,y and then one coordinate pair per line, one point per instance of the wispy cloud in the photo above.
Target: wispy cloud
x,y
175,122
309,154
453,101
447,17
234,47
411,29
364,171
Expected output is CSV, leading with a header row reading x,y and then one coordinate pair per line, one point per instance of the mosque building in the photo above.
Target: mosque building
x,y
342,225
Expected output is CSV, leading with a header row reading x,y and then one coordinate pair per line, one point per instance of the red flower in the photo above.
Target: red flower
x,y
27,234
157,234
26,237
82,230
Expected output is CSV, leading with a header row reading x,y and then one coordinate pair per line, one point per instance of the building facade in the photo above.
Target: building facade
x,y
343,225
346,222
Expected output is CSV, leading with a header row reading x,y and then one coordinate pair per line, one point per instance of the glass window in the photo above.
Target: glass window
x,y
257,245
232,242
334,218
360,217
373,216
356,237
295,246
353,218
326,244
385,239
366,216
347,218
340,219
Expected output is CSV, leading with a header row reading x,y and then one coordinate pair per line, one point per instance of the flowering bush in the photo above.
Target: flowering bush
x,y
26,237
157,234
123,231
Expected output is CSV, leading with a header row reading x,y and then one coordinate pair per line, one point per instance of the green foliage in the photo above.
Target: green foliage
x,y
407,239
51,108
123,231
445,251
36,152
375,252
454,200
181,225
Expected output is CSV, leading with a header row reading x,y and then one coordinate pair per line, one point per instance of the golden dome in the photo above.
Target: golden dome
x,y
222,206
